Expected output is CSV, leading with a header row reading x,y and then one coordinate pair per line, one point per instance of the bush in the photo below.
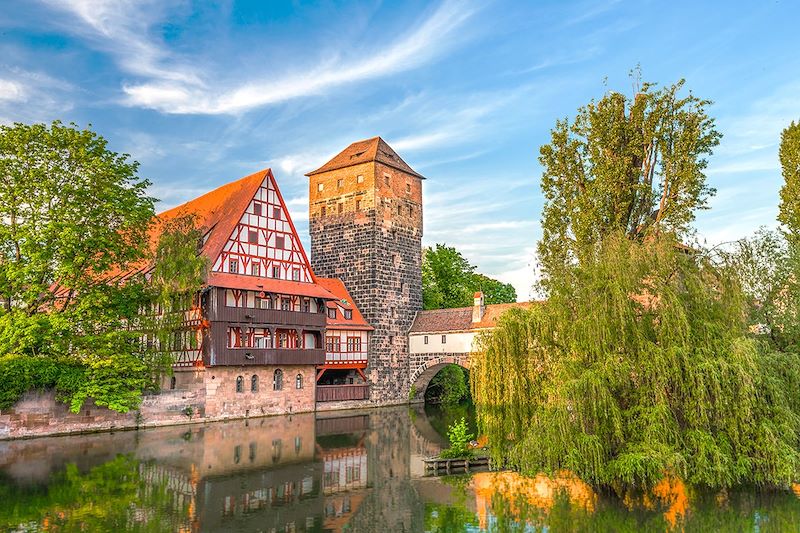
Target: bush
x,y
459,437
21,373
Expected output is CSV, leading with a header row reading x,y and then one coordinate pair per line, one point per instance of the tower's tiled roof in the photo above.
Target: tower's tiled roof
x,y
460,318
366,151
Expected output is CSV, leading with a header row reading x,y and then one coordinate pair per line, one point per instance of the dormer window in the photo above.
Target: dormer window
x,y
348,314
332,313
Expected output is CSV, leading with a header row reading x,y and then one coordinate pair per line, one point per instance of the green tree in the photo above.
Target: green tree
x,y
634,165
449,280
73,212
449,386
789,153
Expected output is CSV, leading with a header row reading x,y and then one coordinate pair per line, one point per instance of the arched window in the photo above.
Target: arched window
x,y
298,381
172,382
254,383
277,380
240,384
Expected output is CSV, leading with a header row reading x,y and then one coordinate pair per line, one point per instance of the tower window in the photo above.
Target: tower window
x,y
298,384
408,188
399,210
252,236
233,266
321,187
322,211
386,179
360,179
280,242
276,213
255,269
340,208
358,205
256,208
339,183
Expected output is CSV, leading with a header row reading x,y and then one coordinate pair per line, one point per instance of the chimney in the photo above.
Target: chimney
x,y
477,308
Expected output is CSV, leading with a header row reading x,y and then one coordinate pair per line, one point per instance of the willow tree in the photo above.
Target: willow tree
x,y
634,165
637,367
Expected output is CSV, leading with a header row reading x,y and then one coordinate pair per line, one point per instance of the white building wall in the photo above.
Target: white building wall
x,y
453,342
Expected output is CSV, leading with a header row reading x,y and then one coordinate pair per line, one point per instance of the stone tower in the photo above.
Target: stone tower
x,y
365,219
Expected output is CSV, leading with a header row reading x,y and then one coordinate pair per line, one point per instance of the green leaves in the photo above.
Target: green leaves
x,y
789,155
448,280
630,165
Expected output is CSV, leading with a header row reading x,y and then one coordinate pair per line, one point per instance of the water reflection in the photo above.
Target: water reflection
x,y
345,471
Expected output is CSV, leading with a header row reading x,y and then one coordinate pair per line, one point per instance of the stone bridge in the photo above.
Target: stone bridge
x,y
423,366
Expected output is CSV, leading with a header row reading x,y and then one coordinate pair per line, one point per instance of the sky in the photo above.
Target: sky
x,y
465,91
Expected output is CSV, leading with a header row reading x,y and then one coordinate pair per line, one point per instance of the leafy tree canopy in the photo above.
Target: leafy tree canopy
x,y
789,154
634,165
449,280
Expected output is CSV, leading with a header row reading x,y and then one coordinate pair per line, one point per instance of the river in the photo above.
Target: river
x,y
344,471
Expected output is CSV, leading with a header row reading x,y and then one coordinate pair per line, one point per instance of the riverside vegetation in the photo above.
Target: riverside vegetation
x,y
648,358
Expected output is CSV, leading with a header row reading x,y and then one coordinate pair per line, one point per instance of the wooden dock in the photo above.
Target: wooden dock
x,y
436,466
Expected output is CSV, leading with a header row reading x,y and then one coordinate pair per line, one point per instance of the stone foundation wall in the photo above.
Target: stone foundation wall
x,y
200,395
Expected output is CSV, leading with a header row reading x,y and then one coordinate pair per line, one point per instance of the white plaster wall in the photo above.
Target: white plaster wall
x,y
455,343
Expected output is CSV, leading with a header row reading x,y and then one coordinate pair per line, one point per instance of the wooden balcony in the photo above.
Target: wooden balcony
x,y
334,393
269,356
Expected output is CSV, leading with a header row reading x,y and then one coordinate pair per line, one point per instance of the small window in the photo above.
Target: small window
x,y
306,305
296,274
280,242
255,269
399,210
172,382
425,339
339,183
321,187
233,266
256,208
386,179
444,339
254,383
340,208
276,213
358,205
359,179
322,211
276,272
298,381
408,188
252,236
239,384
391,340
332,312
277,380
286,304
348,314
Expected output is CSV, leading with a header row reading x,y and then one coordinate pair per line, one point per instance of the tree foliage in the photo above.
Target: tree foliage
x,y
449,386
632,165
639,364
449,280
789,155
75,219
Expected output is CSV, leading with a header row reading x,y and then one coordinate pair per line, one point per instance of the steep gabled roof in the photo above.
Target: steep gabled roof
x,y
367,151
343,299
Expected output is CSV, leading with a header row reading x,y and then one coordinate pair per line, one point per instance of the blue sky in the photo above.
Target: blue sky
x,y
466,92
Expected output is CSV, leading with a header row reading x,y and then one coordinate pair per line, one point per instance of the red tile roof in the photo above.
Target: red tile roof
x,y
460,318
366,151
336,287
280,286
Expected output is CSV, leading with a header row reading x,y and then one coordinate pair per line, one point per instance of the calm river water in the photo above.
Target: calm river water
x,y
345,471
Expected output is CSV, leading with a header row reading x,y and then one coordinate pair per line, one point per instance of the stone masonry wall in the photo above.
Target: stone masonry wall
x,y
201,395
375,247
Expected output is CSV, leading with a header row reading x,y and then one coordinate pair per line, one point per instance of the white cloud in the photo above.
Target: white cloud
x,y
12,91
175,85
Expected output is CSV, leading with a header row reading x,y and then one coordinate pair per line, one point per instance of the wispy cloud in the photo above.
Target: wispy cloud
x,y
27,96
174,84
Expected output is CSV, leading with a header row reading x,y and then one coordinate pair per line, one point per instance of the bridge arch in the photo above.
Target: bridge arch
x,y
425,366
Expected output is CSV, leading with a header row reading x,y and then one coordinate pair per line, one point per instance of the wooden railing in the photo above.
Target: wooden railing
x,y
333,393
